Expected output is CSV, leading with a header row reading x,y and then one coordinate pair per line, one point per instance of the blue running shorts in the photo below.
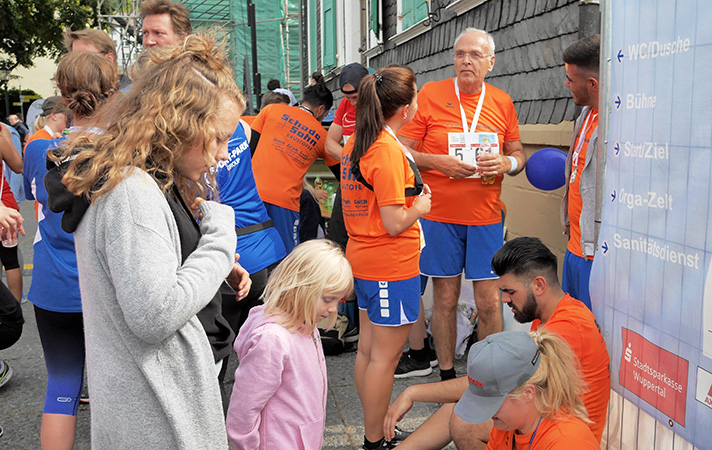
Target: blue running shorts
x,y
450,248
389,303
286,222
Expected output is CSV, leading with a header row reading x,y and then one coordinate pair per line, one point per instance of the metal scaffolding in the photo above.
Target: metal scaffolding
x,y
120,18
278,27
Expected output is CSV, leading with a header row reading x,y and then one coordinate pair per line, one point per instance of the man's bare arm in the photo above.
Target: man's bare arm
x,y
333,141
448,391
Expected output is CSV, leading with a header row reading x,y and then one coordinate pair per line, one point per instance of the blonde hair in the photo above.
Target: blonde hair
x,y
558,382
174,104
86,81
40,122
314,268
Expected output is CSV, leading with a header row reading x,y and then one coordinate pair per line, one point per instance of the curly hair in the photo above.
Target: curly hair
x,y
175,103
86,81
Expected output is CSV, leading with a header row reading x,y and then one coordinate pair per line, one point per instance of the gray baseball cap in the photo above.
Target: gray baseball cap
x,y
496,366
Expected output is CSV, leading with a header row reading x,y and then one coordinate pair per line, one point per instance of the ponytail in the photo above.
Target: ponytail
x,y
558,381
379,97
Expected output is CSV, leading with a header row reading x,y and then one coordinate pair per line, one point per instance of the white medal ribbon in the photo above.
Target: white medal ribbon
x,y
470,133
405,149
410,157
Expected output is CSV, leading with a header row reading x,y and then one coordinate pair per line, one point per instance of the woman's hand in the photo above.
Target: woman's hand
x,y
10,223
239,279
423,201
395,413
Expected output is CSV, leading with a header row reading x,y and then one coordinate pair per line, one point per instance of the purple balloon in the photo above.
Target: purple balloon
x,y
546,169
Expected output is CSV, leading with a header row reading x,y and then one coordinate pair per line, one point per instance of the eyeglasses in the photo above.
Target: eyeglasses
x,y
472,55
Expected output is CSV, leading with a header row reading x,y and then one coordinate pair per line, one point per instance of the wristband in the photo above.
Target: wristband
x,y
514,164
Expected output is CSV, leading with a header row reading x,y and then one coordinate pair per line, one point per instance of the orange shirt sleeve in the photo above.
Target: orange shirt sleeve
x,y
259,122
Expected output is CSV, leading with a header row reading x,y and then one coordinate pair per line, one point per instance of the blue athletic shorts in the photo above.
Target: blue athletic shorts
x,y
423,284
450,248
286,222
389,303
575,277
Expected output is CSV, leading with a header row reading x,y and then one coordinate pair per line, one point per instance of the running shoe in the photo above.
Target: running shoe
x,y
400,435
432,358
5,372
351,334
410,367
383,445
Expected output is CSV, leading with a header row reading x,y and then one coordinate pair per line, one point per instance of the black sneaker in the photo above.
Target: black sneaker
x,y
400,435
409,367
432,358
383,445
5,372
351,334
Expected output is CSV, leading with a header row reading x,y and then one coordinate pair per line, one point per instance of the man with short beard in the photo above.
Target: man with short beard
x,y
528,280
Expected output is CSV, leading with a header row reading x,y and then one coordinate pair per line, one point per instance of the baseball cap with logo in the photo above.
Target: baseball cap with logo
x,y
496,366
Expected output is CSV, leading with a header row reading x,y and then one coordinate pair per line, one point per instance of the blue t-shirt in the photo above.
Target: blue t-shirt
x,y
55,279
237,187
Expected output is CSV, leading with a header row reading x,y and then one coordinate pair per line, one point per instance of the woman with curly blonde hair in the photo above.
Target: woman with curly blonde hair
x,y
145,266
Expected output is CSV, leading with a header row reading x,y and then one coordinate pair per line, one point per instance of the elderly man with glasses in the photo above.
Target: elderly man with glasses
x,y
464,138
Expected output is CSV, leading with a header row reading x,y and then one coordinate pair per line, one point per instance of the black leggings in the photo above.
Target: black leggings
x,y
62,337
11,319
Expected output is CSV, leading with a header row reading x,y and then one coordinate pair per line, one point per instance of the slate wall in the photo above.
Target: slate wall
x,y
529,36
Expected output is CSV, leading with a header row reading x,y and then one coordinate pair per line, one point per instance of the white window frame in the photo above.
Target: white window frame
x,y
462,6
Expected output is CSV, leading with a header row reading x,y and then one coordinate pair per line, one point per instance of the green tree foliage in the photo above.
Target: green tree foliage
x,y
33,28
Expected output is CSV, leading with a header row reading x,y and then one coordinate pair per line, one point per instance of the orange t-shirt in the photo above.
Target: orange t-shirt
x,y
575,324
291,139
39,134
373,253
564,434
577,165
461,201
248,120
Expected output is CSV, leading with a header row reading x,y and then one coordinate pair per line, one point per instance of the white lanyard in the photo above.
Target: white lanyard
x,y
469,134
581,138
405,149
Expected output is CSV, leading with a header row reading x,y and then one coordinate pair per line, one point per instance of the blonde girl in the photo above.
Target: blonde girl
x,y
279,397
145,267
530,385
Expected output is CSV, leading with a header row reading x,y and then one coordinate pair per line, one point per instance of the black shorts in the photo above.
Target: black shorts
x,y
8,257
11,319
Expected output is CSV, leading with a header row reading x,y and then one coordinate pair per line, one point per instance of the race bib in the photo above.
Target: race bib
x,y
481,143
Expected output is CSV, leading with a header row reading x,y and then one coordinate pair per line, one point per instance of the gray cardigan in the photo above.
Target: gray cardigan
x,y
592,187
152,377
